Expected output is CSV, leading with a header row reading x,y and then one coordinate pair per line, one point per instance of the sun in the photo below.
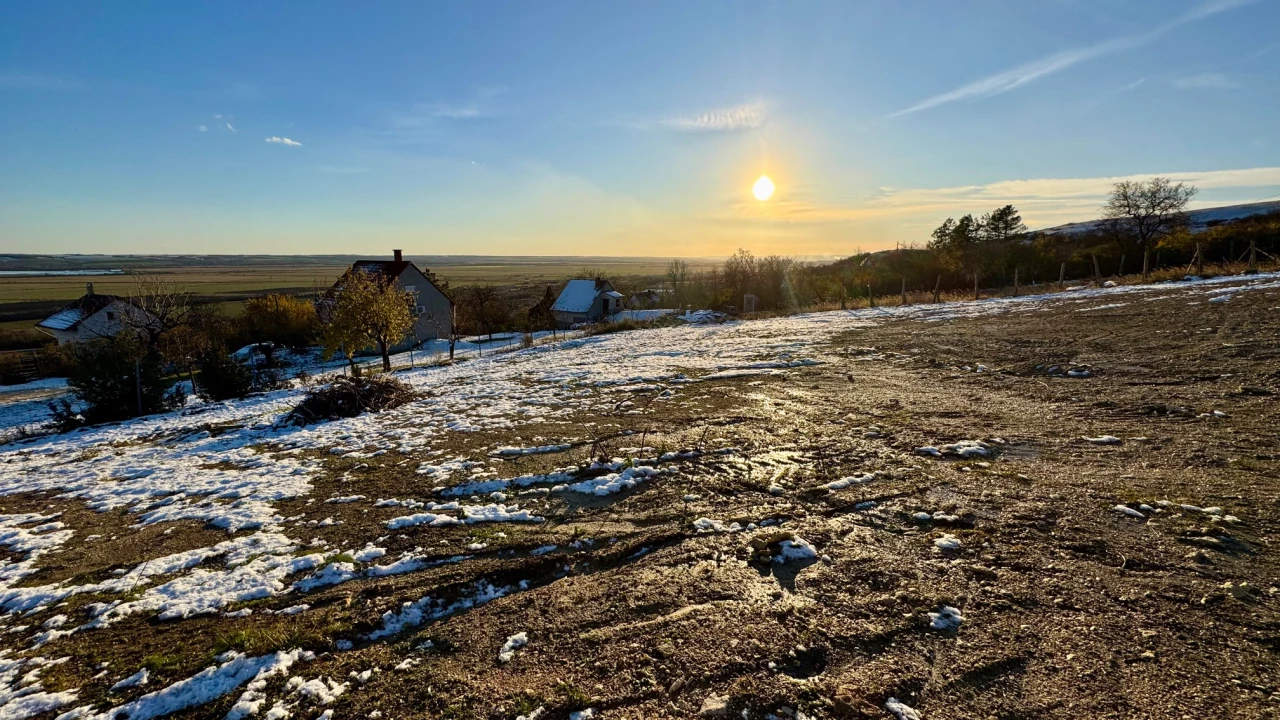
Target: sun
x,y
763,189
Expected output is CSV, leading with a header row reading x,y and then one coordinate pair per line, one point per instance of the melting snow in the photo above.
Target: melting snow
x,y
948,618
509,648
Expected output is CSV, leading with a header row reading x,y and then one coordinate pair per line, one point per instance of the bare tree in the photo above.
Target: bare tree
x,y
1147,211
161,306
678,273
482,305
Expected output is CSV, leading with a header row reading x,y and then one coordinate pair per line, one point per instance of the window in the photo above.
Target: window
x,y
411,288
420,310
111,316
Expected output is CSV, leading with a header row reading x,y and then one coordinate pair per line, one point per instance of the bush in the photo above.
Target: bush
x,y
116,379
222,377
280,319
350,396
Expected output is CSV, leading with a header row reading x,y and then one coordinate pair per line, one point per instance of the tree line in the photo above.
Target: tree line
x,y
1143,227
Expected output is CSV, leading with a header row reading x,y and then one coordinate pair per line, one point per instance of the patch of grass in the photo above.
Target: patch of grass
x,y
483,533
258,641
527,702
161,663
238,640
573,695
343,557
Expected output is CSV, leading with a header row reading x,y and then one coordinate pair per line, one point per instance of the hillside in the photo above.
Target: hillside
x,y
1199,220
989,509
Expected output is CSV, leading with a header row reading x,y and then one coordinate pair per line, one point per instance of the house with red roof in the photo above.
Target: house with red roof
x,y
432,308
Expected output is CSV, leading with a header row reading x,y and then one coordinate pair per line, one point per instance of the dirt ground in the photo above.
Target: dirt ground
x,y
1071,608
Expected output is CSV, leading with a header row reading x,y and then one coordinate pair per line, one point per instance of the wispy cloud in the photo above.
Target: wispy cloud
x,y
204,128
284,141
1203,81
730,119
1131,86
37,81
1003,82
482,104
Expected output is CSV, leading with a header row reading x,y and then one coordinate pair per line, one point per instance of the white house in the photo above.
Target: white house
x,y
92,316
432,311
586,301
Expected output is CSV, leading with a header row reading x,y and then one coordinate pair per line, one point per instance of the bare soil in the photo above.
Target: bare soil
x,y
1071,608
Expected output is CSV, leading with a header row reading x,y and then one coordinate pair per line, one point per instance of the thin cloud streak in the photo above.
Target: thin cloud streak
x,y
731,119
1204,81
284,141
1016,77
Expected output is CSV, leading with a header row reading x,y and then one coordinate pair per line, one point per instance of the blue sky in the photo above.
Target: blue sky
x,y
612,128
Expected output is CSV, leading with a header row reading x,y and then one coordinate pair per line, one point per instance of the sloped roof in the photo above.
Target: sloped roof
x,y
577,296
386,268
72,315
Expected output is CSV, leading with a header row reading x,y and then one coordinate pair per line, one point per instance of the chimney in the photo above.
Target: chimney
x,y
399,256
88,288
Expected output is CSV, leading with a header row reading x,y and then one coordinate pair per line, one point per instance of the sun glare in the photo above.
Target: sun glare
x,y
763,189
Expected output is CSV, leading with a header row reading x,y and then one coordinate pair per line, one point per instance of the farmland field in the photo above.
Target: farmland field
x,y
26,299
1045,506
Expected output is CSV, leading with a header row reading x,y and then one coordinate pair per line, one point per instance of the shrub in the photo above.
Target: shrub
x,y
56,360
280,319
116,378
222,377
350,396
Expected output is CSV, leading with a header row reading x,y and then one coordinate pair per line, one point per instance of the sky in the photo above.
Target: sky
x,y
618,128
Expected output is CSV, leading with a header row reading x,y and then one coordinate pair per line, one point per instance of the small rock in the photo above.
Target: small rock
x,y
715,706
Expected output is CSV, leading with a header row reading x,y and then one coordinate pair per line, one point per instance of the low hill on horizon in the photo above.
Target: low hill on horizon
x,y
1199,219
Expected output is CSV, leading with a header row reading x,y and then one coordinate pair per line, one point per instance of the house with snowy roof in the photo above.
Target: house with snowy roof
x,y
432,308
583,301
92,316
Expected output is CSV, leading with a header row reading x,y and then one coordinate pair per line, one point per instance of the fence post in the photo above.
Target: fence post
x,y
1253,255
975,286
937,284
1146,259
1097,272
1062,275
1199,260
137,382
871,299
1015,282
1120,272
904,289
